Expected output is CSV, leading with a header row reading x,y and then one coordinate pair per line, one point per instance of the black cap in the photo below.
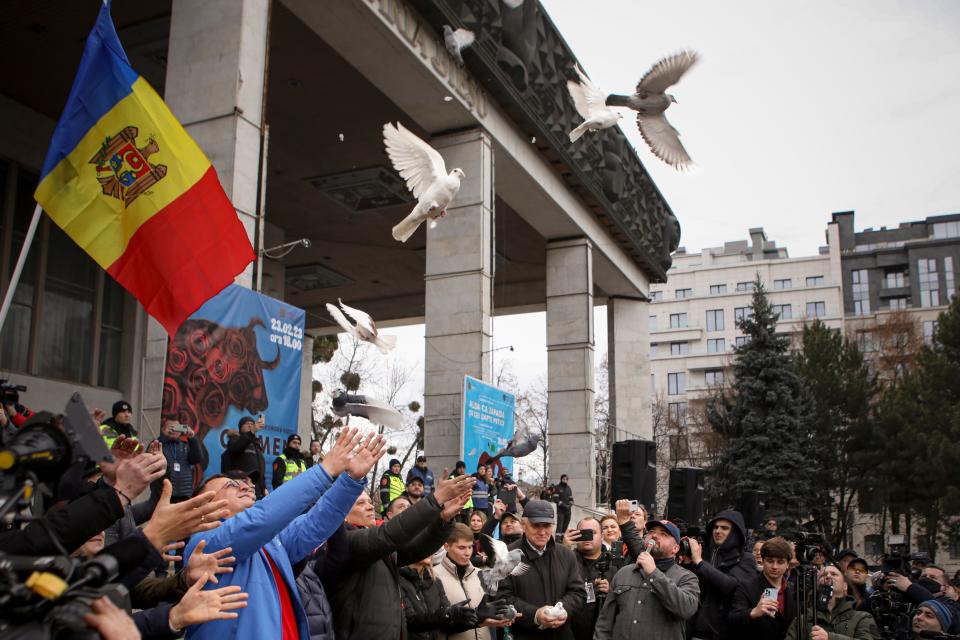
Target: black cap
x,y
421,458
846,552
510,514
858,559
121,405
292,437
415,479
539,511
394,461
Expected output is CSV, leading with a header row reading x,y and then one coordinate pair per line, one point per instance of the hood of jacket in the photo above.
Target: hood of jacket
x,y
733,547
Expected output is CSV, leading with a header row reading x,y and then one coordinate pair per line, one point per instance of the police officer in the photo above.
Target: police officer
x,y
290,463
118,425
391,484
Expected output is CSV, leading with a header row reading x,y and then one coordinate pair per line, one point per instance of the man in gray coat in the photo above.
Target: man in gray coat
x,y
654,597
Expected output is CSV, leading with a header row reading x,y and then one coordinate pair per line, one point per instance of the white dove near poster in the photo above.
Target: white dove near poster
x,y
422,167
365,328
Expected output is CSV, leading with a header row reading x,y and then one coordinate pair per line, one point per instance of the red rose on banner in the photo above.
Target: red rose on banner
x,y
211,367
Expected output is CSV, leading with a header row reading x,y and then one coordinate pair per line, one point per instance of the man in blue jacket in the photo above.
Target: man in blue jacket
x,y
269,536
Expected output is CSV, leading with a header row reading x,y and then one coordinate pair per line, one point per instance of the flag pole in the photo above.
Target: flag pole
x,y
22,260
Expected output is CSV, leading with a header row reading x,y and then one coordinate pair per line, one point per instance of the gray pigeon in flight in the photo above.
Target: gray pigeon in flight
x,y
426,175
501,563
522,444
591,105
650,101
365,328
376,411
457,41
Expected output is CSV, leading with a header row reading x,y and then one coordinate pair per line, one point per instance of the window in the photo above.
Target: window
x,y
816,309
946,229
859,279
715,320
677,412
870,500
654,346
786,283
656,296
78,335
815,281
676,384
898,304
894,280
679,447
873,542
741,341
678,320
929,284
948,279
716,345
652,323
745,286
680,294
713,377
679,348
865,342
929,328
742,313
717,289
783,311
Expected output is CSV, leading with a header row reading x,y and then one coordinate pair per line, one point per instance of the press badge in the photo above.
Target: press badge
x,y
591,595
176,467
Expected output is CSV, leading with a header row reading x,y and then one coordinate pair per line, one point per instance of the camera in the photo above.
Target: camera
x,y
807,545
892,614
10,393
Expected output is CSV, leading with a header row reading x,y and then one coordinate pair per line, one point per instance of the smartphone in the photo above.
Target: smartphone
x,y
586,534
180,428
771,593
634,505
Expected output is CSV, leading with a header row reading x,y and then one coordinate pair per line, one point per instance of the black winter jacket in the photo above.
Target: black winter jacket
x,y
553,577
745,598
243,453
360,573
315,604
721,570
425,605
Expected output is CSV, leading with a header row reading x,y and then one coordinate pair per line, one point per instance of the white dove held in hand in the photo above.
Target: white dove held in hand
x,y
591,104
426,175
365,328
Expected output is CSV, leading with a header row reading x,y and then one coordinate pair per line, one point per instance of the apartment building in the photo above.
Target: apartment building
x,y
693,318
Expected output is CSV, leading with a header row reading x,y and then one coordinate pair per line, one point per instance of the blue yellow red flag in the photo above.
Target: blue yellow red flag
x,y
127,183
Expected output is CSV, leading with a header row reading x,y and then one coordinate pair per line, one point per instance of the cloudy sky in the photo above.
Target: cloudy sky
x,y
796,110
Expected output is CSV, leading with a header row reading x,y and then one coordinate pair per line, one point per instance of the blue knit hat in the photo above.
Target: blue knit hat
x,y
941,611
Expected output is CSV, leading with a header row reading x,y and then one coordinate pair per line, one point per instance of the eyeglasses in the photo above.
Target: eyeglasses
x,y
857,570
241,487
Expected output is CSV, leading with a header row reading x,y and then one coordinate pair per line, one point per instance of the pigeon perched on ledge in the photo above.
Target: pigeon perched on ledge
x,y
650,101
422,167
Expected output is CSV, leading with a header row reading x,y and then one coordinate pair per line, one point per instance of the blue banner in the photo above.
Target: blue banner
x,y
487,425
239,355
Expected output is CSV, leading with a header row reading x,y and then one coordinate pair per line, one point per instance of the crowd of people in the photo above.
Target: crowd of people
x,y
315,556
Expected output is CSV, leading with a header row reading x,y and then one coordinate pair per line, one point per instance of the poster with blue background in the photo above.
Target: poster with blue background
x,y
487,425
238,355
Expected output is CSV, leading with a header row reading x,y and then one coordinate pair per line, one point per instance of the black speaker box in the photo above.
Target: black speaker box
x,y
752,506
685,501
634,473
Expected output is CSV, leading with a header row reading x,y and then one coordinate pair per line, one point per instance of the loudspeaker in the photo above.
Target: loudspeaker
x,y
634,473
752,506
685,501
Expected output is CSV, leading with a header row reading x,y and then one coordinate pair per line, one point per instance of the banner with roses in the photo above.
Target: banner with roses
x,y
240,354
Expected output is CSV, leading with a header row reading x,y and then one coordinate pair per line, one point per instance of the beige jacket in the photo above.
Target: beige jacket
x,y
458,590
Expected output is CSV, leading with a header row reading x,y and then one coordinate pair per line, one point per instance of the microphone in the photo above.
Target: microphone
x,y
650,545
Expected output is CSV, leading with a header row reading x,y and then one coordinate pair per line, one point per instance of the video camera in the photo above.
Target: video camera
x,y
10,393
807,545
47,597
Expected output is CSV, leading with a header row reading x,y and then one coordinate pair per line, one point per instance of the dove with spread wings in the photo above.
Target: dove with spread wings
x,y
365,328
422,167
501,563
650,102
591,104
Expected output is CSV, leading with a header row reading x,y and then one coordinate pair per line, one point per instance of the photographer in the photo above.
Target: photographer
x,y
930,587
932,617
597,568
180,447
243,453
839,620
564,502
720,566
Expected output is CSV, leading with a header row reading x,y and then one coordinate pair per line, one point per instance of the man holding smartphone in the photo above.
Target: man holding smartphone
x,y
764,607
181,448
597,567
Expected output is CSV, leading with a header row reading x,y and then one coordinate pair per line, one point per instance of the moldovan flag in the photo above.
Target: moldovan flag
x,y
126,182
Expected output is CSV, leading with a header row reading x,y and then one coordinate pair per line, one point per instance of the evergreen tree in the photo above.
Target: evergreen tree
x,y
842,386
767,419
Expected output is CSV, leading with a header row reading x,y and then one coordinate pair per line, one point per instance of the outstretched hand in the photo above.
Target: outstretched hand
x,y
368,454
448,488
198,606
453,506
337,458
171,522
211,564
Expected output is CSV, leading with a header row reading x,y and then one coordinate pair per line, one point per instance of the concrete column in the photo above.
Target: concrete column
x,y
570,366
458,291
628,357
216,70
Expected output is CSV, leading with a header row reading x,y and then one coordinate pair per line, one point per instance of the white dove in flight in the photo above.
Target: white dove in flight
x,y
650,101
365,328
422,167
501,562
592,106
